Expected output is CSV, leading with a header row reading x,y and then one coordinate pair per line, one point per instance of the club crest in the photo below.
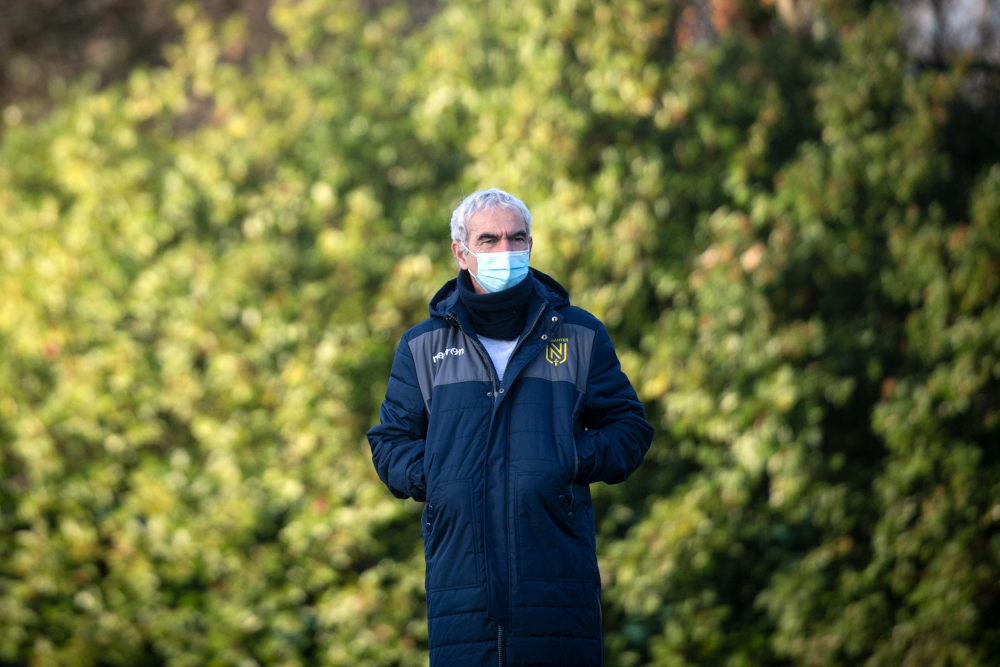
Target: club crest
x,y
555,352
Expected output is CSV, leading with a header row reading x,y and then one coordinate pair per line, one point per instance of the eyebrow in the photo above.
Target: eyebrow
x,y
490,236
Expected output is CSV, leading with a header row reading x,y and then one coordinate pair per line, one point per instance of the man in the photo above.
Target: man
x,y
502,408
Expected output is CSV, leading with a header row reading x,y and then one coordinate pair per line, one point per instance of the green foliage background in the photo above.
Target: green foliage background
x,y
793,238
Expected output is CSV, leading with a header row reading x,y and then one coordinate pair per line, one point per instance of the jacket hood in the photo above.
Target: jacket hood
x,y
546,287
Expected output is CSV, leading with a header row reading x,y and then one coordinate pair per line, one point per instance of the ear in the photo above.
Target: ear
x,y
459,252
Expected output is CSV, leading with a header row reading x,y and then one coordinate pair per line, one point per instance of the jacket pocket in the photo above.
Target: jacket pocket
x,y
451,537
548,542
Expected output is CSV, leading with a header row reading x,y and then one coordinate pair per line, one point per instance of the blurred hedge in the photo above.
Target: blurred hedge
x,y
794,239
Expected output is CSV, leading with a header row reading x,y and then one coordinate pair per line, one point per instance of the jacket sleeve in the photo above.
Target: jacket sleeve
x,y
617,435
398,441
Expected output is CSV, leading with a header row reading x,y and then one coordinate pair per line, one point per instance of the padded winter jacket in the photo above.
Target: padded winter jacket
x,y
504,469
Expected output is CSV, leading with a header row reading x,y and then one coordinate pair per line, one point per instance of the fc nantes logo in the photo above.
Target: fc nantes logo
x,y
555,352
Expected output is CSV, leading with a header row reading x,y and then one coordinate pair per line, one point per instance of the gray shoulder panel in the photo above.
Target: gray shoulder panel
x,y
446,356
566,357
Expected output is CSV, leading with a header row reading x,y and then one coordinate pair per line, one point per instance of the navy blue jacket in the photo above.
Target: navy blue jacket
x,y
504,470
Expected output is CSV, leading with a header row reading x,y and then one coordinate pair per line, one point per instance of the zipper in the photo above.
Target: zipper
x,y
513,352
496,396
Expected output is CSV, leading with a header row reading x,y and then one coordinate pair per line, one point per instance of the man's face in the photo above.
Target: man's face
x,y
491,230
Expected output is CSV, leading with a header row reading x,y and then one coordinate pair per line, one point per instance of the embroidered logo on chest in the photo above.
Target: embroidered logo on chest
x,y
556,351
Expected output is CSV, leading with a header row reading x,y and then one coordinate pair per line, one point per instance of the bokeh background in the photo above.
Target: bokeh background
x,y
217,219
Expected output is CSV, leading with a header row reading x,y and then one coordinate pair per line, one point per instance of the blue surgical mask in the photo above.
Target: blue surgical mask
x,y
500,270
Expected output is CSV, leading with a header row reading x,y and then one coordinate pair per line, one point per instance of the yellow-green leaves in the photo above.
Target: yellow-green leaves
x,y
204,271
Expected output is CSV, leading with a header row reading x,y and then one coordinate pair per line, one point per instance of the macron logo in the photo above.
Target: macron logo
x,y
453,351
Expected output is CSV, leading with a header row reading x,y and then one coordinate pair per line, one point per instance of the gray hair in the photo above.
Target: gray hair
x,y
482,200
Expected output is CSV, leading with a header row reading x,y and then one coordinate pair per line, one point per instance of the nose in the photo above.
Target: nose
x,y
504,245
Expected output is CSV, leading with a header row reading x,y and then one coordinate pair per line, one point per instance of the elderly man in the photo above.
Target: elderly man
x,y
502,408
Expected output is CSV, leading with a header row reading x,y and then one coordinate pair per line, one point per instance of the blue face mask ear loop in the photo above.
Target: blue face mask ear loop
x,y
474,255
466,248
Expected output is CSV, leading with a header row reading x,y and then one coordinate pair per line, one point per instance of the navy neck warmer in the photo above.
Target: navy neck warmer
x,y
500,315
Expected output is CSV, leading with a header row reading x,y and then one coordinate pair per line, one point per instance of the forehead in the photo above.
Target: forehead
x,y
498,221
